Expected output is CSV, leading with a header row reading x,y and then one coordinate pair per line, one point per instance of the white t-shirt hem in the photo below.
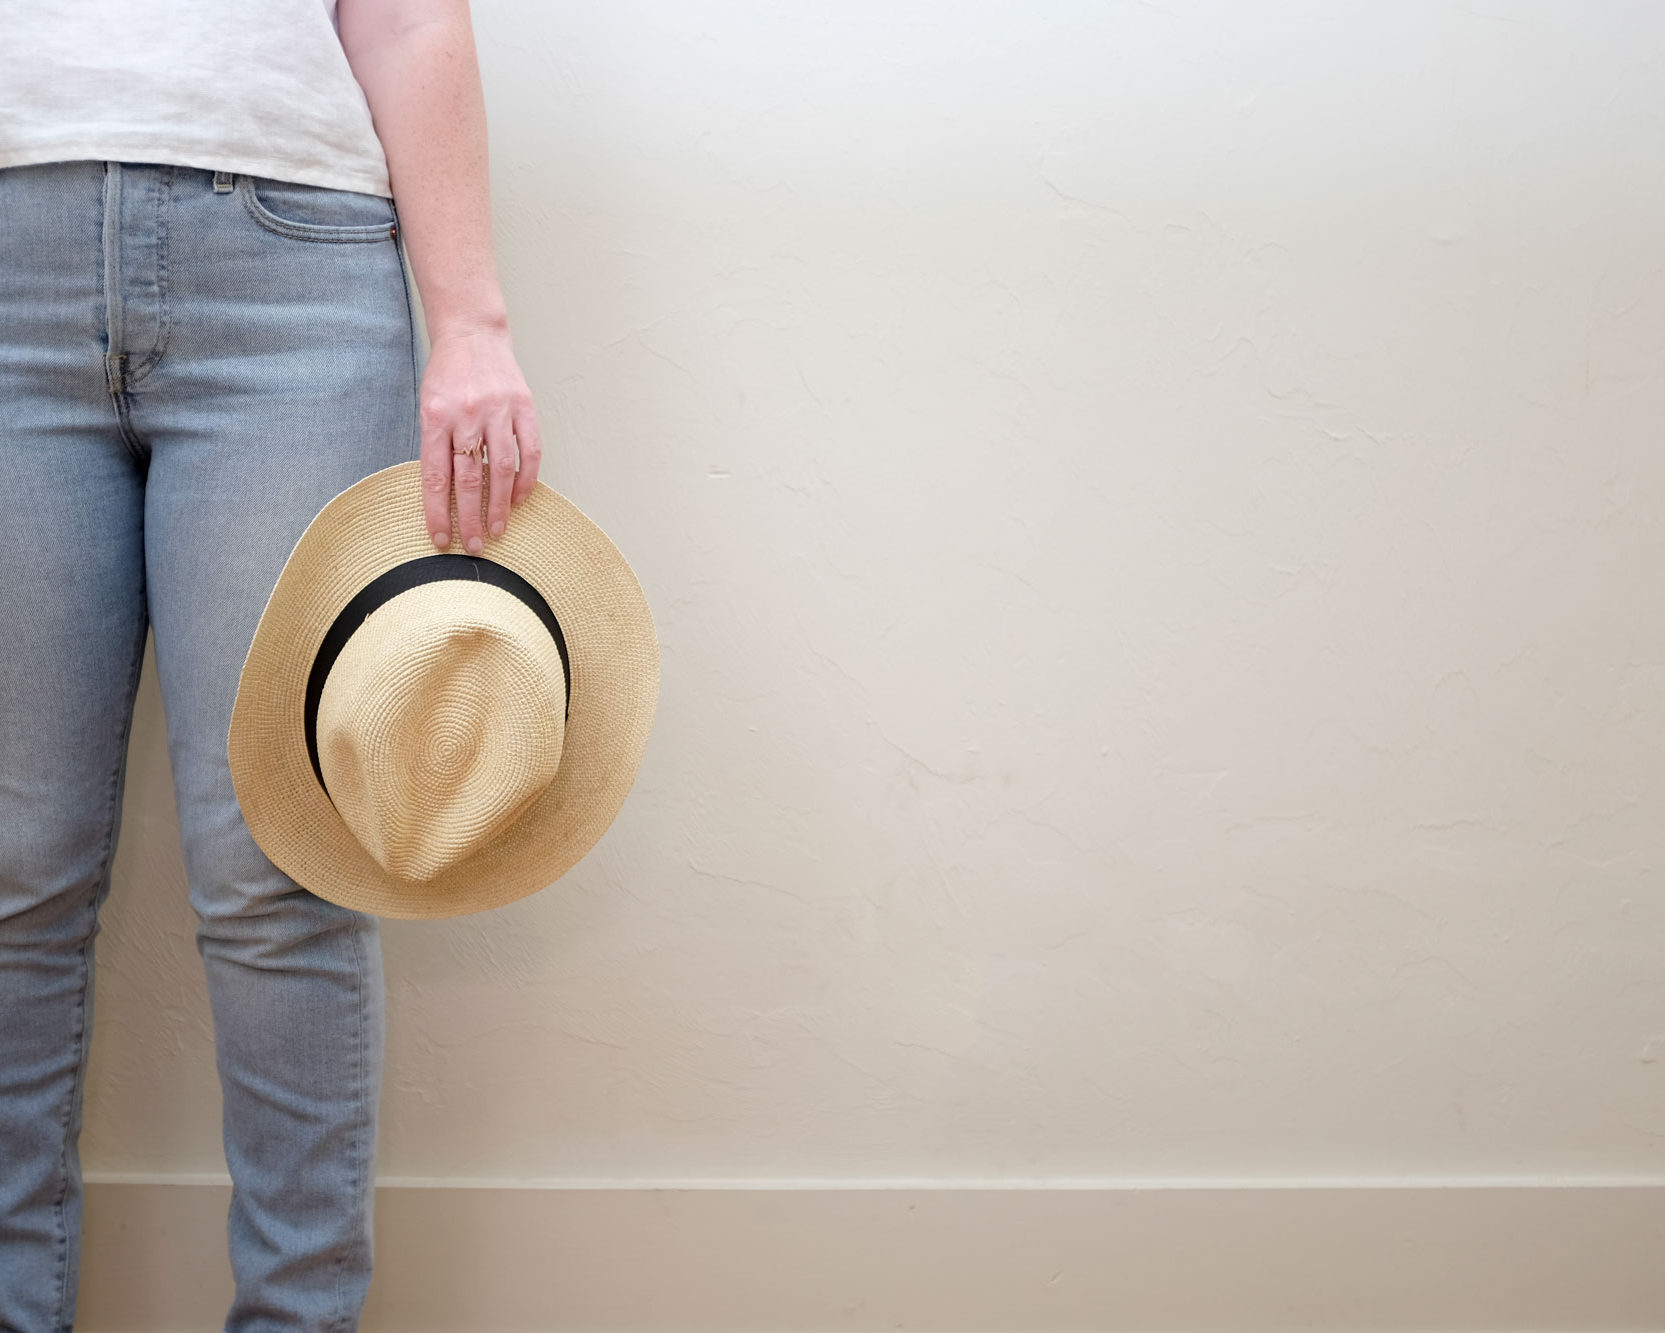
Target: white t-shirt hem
x,y
300,173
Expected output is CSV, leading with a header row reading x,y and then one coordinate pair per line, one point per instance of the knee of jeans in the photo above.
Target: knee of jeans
x,y
244,903
284,930
53,875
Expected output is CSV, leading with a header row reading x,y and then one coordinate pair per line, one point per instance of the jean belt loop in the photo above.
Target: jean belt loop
x,y
222,182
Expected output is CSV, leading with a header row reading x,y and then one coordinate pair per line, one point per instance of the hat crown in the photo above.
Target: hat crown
x,y
441,720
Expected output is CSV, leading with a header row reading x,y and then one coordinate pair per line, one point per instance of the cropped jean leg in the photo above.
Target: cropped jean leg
x,y
191,364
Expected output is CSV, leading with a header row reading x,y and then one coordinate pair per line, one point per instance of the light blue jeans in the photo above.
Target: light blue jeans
x,y
191,364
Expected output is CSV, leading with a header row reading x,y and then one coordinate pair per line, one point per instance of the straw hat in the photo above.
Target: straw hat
x,y
422,734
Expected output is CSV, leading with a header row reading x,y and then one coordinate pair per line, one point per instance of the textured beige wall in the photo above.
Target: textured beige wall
x,y
1156,517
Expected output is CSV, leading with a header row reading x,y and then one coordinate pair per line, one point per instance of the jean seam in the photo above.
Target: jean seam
x,y
356,1152
81,1035
410,322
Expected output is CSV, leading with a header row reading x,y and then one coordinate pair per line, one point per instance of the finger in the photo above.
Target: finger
x,y
436,477
500,456
466,468
531,451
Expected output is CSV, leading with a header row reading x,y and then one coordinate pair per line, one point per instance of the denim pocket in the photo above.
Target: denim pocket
x,y
316,212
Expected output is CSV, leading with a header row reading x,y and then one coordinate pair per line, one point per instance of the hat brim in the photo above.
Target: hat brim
x,y
368,529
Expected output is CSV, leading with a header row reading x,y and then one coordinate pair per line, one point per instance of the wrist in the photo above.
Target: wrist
x,y
466,324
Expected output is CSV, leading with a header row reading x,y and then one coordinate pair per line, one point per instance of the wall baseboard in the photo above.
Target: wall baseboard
x,y
1002,1258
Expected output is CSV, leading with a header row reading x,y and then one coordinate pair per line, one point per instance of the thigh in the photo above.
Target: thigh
x,y
72,608
290,372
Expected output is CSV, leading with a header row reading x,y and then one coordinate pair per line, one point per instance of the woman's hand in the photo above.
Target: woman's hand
x,y
474,395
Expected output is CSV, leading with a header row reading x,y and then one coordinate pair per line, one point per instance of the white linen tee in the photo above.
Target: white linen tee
x,y
254,86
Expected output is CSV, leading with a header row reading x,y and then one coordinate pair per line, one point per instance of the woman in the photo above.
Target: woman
x,y
205,334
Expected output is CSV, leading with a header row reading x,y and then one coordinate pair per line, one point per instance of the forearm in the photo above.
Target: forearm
x,y
415,61
420,77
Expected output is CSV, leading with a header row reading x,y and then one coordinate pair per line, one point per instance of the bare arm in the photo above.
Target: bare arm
x,y
415,61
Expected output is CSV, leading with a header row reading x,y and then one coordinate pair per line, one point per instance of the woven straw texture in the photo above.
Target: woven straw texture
x,y
440,720
614,656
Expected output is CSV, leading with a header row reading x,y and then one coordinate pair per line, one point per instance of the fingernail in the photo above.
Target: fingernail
x,y
497,528
442,539
475,546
